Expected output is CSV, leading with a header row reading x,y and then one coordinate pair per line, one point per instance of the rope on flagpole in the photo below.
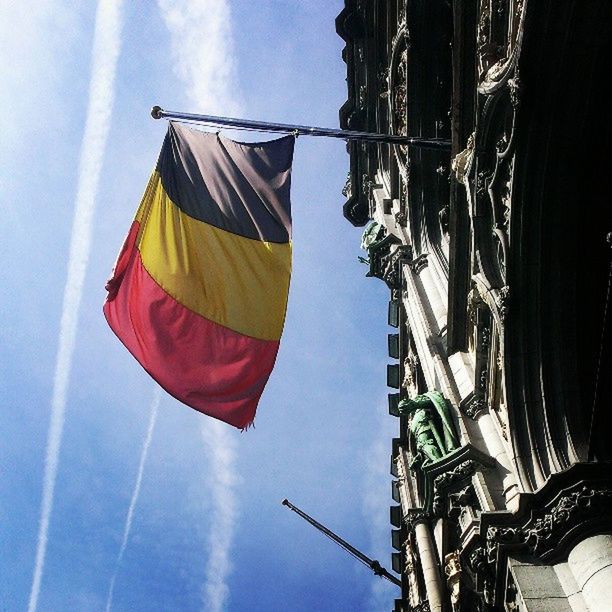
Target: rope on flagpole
x,y
247,124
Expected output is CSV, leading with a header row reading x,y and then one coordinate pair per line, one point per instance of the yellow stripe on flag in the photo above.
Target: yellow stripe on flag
x,y
237,282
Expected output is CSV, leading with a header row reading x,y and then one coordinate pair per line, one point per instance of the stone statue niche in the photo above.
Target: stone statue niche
x,y
431,426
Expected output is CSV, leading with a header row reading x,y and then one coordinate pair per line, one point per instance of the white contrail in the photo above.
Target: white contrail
x,y
106,46
220,449
204,60
130,515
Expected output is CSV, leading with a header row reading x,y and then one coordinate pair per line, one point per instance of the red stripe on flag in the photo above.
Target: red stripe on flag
x,y
207,366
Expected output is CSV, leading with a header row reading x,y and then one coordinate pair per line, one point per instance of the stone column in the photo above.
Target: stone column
x,y
591,564
497,450
429,565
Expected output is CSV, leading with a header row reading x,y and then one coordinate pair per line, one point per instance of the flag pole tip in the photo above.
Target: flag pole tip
x,y
285,502
156,112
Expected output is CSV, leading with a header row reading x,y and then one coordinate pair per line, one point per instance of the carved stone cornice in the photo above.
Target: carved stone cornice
x,y
541,535
572,506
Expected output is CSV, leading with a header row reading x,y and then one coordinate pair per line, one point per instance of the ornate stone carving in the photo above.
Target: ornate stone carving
x,y
410,372
414,516
414,589
499,36
393,274
366,185
384,254
503,302
398,69
461,163
452,569
542,534
475,407
444,481
347,190
398,94
485,337
482,563
515,86
418,263
401,218
545,527
421,607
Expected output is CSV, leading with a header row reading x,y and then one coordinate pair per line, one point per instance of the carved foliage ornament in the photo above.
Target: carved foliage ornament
x,y
541,535
547,534
398,70
414,516
475,407
444,481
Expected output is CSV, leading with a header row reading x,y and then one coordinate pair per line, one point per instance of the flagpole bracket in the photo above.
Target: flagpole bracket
x,y
289,128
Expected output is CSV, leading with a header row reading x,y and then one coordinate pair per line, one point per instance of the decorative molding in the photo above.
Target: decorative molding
x,y
547,524
450,474
540,536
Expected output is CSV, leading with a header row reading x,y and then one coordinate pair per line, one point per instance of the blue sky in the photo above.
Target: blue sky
x,y
206,528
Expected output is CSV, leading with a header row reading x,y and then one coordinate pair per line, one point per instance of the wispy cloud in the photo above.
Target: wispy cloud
x,y
204,60
106,46
203,53
135,494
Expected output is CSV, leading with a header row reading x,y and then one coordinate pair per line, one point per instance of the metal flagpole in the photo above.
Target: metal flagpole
x,y
374,565
306,130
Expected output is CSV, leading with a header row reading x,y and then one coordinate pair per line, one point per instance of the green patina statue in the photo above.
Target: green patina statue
x,y
369,239
431,425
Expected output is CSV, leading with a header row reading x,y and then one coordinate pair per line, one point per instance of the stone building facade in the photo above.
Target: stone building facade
x,y
496,253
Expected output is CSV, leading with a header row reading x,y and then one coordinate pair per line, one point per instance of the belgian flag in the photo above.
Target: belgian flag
x,y
199,291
